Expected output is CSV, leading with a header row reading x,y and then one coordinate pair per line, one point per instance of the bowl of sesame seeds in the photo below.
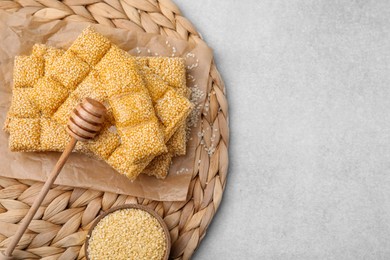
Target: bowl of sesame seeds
x,y
129,231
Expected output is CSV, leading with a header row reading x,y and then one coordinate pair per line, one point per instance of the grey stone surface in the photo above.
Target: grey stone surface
x,y
308,88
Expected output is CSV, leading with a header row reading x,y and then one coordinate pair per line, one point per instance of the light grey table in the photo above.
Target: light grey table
x,y
308,85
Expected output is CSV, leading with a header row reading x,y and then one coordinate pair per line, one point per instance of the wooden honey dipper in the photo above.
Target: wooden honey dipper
x,y
84,123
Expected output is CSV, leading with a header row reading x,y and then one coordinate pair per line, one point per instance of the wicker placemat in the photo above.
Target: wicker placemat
x,y
60,226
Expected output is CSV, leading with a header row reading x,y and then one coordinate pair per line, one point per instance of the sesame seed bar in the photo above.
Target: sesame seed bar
x,y
20,104
104,145
170,106
159,166
90,46
172,71
47,95
49,55
53,136
24,134
26,78
69,70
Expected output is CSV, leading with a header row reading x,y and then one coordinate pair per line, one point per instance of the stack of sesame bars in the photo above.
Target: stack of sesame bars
x,y
146,98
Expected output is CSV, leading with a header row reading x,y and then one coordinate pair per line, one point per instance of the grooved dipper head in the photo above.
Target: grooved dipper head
x,y
86,119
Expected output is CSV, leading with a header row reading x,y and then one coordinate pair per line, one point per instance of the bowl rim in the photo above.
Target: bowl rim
x,y
132,206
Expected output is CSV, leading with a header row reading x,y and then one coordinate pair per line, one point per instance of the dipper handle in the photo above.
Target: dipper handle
x,y
84,123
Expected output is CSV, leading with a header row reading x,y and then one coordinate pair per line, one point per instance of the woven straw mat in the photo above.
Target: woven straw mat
x,y
60,227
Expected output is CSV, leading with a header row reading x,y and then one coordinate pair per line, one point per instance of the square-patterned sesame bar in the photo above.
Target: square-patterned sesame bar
x,y
49,54
132,109
159,166
53,136
170,113
21,105
103,145
47,95
69,70
90,46
143,140
119,73
172,71
24,134
27,70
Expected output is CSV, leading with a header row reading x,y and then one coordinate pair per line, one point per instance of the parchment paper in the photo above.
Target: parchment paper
x,y
20,32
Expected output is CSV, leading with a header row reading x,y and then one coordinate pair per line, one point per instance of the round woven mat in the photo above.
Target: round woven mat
x,y
61,224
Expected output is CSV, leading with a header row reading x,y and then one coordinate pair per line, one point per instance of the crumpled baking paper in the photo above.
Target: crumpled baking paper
x,y
20,32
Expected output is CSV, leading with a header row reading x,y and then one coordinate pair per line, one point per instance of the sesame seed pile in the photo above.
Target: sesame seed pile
x,y
146,98
127,234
